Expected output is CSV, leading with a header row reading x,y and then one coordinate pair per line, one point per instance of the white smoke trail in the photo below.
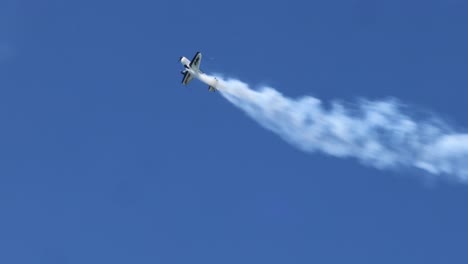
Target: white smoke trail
x,y
377,133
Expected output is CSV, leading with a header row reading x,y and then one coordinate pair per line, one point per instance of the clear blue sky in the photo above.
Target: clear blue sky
x,y
106,158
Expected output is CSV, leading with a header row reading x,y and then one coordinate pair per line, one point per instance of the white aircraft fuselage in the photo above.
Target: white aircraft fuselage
x,y
186,63
192,70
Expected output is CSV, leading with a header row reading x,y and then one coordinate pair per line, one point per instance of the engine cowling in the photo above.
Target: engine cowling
x,y
184,61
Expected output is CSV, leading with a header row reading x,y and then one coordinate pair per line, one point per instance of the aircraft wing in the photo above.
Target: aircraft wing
x,y
195,63
187,77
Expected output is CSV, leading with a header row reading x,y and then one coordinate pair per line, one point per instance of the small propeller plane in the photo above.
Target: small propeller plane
x,y
192,69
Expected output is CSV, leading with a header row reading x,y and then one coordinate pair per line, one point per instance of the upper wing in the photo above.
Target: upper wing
x,y
187,78
195,63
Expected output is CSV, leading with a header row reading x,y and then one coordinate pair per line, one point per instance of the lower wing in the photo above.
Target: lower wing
x,y
187,77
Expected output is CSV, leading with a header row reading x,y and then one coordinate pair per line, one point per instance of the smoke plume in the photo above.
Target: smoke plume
x,y
382,134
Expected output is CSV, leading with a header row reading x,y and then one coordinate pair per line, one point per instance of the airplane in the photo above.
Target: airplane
x,y
192,69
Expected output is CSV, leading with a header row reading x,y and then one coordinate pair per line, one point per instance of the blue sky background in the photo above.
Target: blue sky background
x,y
106,158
